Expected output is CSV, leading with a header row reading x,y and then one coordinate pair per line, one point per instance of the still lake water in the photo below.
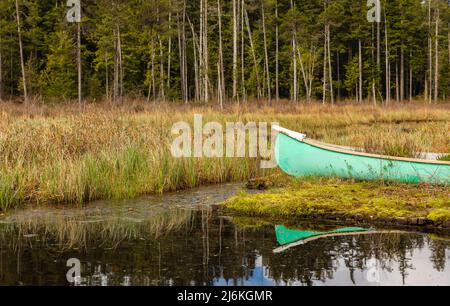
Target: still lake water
x,y
180,239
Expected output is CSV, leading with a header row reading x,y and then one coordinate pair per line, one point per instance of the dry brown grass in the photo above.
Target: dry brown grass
x,y
64,155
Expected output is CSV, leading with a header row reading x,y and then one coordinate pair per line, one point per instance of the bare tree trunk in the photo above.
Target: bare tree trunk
x,y
277,54
196,71
11,66
410,77
106,77
388,69
402,74
180,58
266,55
308,71
121,71
149,66
305,78
80,97
378,60
397,93
219,85
311,69
448,42
242,43
116,70
153,68
360,71
378,46
374,95
1,69
206,52
201,51
162,95
186,80
252,48
186,85
169,52
22,60
338,75
294,61
235,48
196,47
294,77
430,55
330,70
436,68
325,55
221,73
182,53
161,92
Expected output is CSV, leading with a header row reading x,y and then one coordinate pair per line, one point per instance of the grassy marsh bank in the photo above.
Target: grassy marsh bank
x,y
58,154
335,198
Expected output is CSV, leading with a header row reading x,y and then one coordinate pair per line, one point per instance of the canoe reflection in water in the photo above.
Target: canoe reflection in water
x,y
289,238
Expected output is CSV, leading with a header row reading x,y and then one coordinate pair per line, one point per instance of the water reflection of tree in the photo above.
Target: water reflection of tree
x,y
192,249
438,256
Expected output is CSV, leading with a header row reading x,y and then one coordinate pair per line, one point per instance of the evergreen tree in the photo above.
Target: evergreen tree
x,y
302,50
59,76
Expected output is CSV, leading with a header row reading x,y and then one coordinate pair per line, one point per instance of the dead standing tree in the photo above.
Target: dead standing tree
x,y
1,68
118,67
74,16
22,60
220,64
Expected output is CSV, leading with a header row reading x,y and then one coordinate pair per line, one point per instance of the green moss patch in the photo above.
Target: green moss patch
x,y
321,197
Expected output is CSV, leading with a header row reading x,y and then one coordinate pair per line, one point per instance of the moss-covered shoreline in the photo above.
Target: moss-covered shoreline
x,y
334,199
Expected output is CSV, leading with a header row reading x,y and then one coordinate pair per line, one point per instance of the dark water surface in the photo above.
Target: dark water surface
x,y
179,239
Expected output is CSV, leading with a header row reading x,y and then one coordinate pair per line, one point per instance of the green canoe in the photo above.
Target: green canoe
x,y
299,156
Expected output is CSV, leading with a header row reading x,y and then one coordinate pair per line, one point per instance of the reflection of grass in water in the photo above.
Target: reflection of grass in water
x,y
70,233
247,223
255,223
438,237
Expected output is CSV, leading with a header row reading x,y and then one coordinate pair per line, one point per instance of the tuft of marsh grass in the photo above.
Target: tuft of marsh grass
x,y
395,144
444,158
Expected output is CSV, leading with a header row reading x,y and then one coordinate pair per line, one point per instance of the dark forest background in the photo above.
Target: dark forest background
x,y
203,50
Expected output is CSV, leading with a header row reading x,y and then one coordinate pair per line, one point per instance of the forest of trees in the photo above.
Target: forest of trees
x,y
226,50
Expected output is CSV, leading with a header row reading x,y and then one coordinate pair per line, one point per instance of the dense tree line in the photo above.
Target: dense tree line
x,y
227,50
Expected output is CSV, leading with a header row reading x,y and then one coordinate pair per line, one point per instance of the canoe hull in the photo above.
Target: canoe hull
x,y
301,159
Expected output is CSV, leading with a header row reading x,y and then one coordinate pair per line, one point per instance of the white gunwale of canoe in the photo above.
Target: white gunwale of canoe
x,y
338,149
292,134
